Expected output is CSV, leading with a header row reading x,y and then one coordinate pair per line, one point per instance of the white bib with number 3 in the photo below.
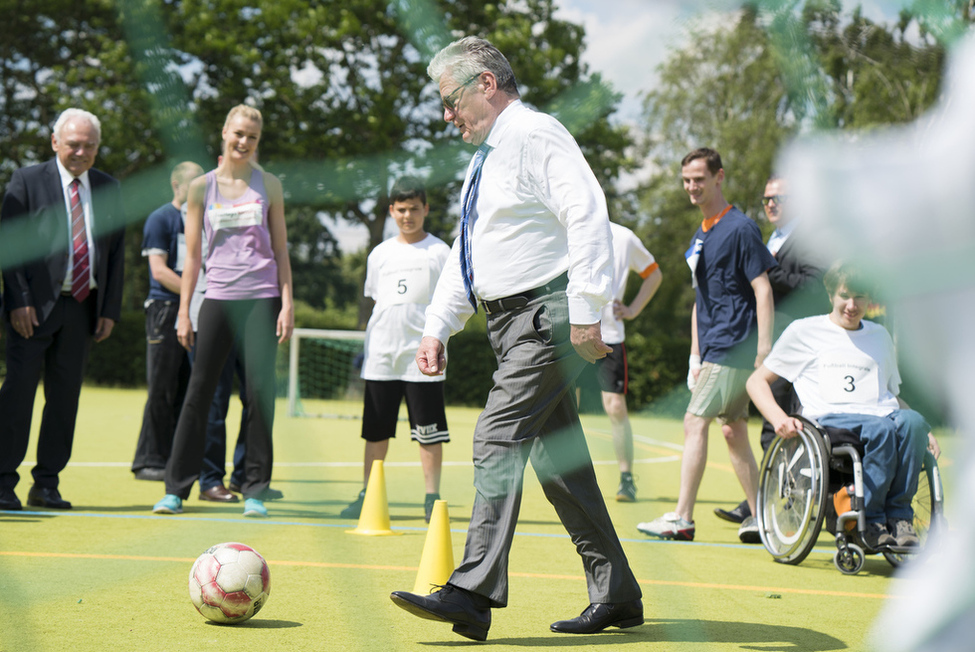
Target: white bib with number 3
x,y
232,217
405,281
844,378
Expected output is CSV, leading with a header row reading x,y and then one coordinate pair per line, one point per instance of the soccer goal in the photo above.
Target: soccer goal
x,y
323,372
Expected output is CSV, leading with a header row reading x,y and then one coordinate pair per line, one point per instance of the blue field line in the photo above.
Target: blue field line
x,y
349,525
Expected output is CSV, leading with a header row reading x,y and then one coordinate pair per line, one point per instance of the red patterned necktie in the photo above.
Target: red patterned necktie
x,y
79,242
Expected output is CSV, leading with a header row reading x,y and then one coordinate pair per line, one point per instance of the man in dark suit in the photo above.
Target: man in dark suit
x,y
797,289
63,288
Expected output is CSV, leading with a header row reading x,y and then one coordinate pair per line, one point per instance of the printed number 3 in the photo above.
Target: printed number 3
x,y
401,286
850,386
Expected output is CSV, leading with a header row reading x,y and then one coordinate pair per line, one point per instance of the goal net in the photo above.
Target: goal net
x,y
323,373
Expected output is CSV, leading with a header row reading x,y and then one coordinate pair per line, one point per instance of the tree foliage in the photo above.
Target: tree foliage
x,y
341,84
745,86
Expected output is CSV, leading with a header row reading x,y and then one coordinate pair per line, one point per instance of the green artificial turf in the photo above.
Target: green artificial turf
x,y
110,575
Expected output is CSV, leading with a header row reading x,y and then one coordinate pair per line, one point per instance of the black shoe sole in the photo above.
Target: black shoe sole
x,y
726,515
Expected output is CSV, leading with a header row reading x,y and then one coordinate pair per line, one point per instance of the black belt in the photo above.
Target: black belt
x,y
520,300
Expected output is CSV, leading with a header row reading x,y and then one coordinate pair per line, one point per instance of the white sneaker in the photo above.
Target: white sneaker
x,y
669,526
748,532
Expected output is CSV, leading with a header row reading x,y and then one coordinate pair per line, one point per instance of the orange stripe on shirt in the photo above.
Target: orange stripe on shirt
x,y
708,224
649,270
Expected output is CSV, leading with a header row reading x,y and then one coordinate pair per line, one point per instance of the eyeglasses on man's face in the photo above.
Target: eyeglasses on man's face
x,y
450,99
778,199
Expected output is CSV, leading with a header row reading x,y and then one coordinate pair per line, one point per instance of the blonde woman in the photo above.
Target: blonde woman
x,y
248,303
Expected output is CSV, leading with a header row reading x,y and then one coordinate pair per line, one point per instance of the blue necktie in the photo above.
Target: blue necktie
x,y
468,215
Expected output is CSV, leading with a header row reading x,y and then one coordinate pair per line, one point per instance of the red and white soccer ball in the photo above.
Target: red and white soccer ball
x,y
229,583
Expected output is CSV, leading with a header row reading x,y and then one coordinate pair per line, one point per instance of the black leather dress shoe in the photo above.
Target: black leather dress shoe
x,y
269,493
219,494
152,474
452,605
46,497
9,502
736,515
598,617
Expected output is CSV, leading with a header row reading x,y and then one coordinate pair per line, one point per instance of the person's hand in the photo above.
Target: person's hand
x,y
104,328
622,311
286,324
762,353
788,427
693,370
184,331
933,446
430,357
588,342
24,320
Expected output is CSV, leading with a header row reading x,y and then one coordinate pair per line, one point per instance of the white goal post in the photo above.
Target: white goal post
x,y
322,364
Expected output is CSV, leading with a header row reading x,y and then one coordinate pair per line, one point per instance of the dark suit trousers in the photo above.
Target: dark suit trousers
x,y
249,324
60,347
531,414
785,396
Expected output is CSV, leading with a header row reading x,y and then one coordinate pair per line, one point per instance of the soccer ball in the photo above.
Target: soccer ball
x,y
229,583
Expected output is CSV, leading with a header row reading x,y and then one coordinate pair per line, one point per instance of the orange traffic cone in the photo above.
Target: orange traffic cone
x,y
374,518
437,561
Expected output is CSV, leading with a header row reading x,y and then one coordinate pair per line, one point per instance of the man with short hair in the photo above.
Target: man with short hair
x,y
845,374
64,291
167,365
797,291
729,264
612,372
534,253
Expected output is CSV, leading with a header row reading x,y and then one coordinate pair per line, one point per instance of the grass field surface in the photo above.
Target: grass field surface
x,y
110,575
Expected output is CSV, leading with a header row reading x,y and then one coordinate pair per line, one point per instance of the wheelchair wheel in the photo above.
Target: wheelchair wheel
x,y
928,505
849,559
792,493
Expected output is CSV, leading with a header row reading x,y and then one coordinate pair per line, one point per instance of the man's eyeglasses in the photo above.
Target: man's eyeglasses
x,y
450,100
778,199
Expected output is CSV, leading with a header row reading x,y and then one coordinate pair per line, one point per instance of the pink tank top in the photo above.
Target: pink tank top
x,y
240,262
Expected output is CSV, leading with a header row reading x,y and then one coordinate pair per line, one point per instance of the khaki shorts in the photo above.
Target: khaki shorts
x,y
720,393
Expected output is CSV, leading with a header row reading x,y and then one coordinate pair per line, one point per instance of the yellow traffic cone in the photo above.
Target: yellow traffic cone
x,y
374,518
437,561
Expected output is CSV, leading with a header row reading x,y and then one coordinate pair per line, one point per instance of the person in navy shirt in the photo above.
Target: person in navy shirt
x,y
728,263
167,365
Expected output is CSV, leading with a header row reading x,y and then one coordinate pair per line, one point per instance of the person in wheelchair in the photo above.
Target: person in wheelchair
x,y
845,374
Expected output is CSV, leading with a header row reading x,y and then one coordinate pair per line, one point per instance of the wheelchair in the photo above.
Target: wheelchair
x,y
804,482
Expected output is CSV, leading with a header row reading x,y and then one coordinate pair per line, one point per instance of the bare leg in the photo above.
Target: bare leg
x,y
375,450
619,419
692,463
431,459
742,459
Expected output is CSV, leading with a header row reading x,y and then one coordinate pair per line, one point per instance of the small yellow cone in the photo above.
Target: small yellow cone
x,y
437,561
374,518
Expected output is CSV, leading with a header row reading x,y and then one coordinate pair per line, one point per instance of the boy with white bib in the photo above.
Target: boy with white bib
x,y
401,274
844,370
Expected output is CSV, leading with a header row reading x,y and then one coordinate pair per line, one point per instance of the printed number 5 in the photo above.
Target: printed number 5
x,y
850,387
401,286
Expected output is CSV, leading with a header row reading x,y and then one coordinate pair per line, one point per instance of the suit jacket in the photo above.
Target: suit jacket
x,y
34,232
797,282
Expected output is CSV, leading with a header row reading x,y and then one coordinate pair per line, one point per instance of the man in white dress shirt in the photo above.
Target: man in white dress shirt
x,y
535,255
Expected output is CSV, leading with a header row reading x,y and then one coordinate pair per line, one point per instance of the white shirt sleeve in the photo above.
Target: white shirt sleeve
x,y
565,183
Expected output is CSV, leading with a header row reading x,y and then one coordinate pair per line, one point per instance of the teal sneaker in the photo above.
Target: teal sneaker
x,y
255,508
170,504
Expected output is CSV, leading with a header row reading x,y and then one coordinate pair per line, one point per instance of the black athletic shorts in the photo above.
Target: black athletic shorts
x,y
612,370
424,404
